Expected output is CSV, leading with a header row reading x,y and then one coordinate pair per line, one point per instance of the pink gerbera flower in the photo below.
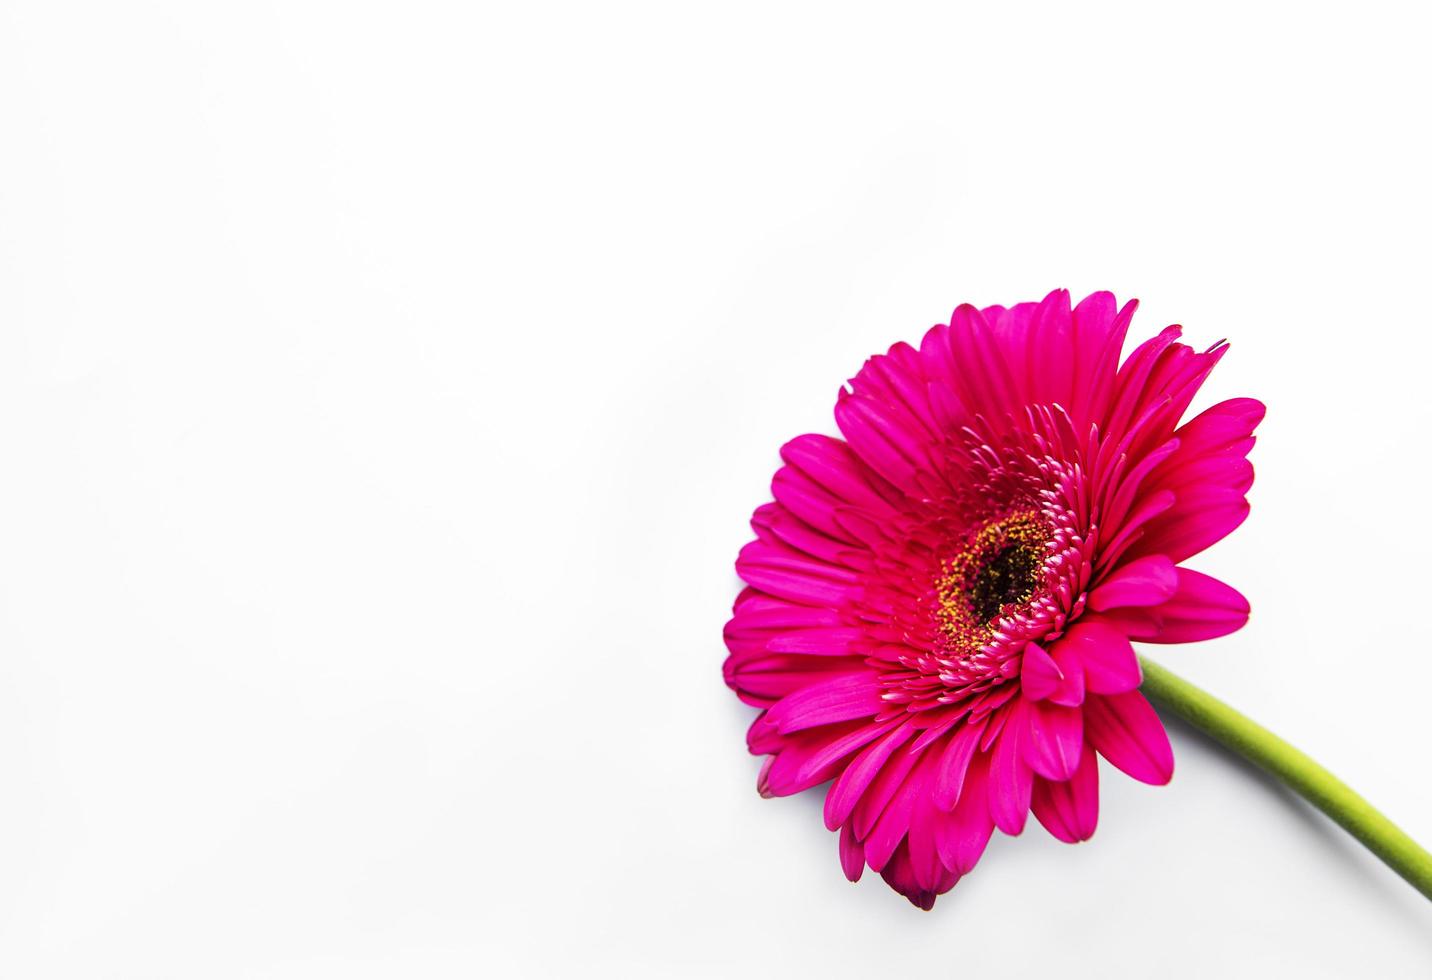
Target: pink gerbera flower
x,y
940,606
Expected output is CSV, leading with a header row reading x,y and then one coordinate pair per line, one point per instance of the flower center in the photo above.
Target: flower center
x,y
994,573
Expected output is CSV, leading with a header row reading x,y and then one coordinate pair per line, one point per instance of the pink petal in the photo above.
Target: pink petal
x,y
967,354
1055,739
962,839
1069,810
1227,470
1070,691
1010,778
1052,357
850,696
766,680
838,748
762,737
894,822
1146,581
1099,329
935,732
1126,731
1201,609
924,856
1131,395
1013,334
1125,486
1222,427
831,465
901,875
881,791
762,612
954,762
788,771
1198,520
807,500
878,441
852,854
897,379
773,523
1110,664
1208,475
1039,675
787,574
1131,532
821,642
849,788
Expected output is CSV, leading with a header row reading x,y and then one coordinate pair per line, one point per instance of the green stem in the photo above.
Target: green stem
x,y
1308,779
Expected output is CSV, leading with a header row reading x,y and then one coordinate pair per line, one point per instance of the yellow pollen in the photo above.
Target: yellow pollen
x,y
995,571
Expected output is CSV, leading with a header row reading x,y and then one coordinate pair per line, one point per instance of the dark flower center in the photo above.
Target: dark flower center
x,y
994,572
1007,578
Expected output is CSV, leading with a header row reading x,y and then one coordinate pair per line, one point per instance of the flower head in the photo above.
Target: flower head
x,y
940,606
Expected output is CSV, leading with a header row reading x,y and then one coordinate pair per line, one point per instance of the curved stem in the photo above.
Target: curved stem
x,y
1308,779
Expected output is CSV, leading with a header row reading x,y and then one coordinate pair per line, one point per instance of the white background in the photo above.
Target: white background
x,y
384,389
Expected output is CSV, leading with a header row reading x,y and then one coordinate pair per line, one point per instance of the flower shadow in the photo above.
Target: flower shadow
x,y
1395,897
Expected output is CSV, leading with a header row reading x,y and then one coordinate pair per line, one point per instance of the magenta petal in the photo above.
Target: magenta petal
x,y
840,747
1110,664
1209,475
1126,731
789,771
877,441
764,682
1010,778
901,874
1199,521
1148,509
1056,737
831,465
1069,810
808,501
1222,427
852,854
924,854
1092,320
820,642
968,352
1039,675
850,786
894,822
1050,355
950,776
1201,609
755,611
850,696
1105,339
1146,581
789,574
962,839
774,523
882,791
1070,691
762,737
933,734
